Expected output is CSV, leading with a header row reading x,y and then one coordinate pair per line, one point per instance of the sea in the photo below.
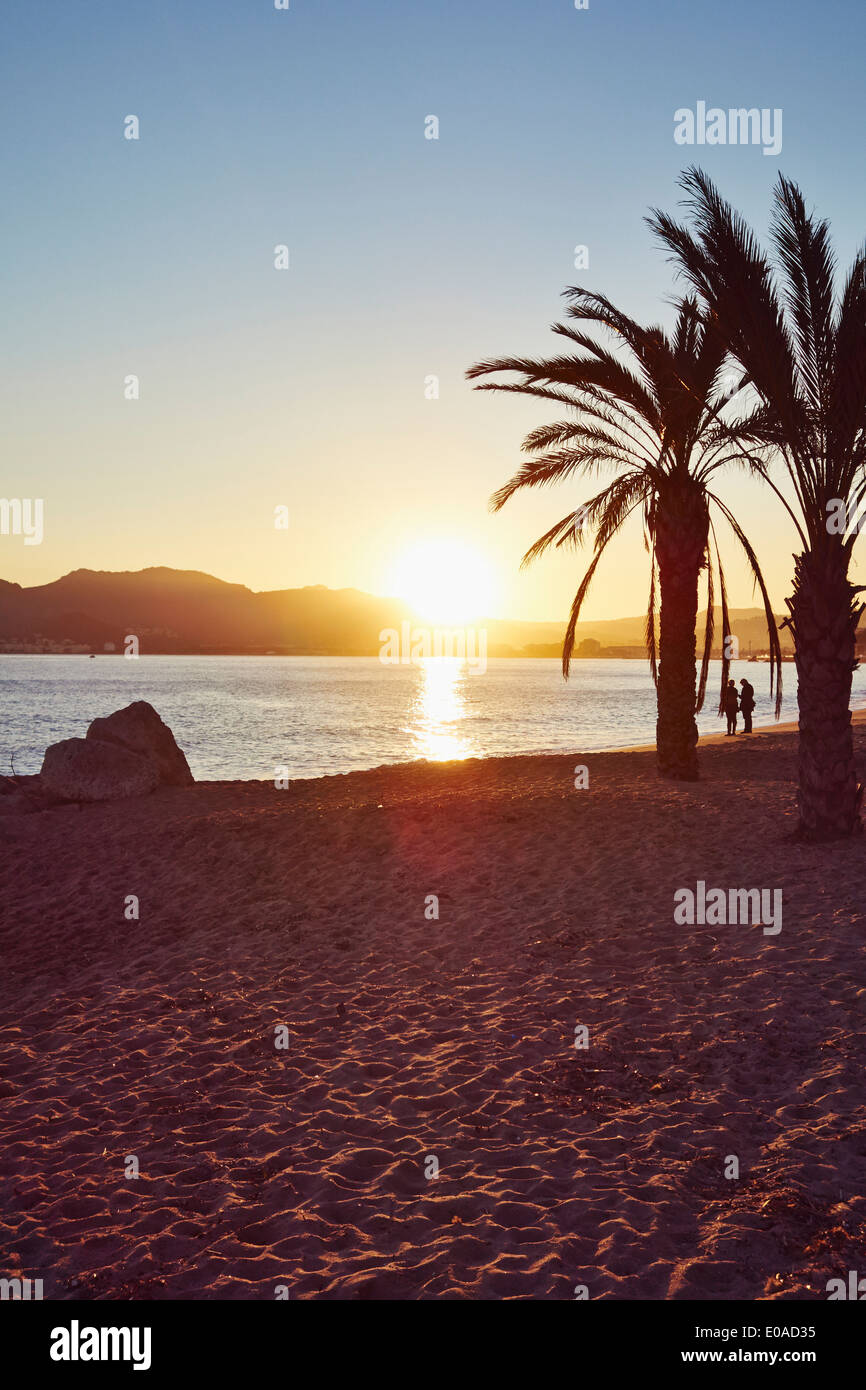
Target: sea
x,y
246,716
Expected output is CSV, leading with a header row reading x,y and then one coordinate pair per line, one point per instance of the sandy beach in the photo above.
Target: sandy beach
x,y
411,1039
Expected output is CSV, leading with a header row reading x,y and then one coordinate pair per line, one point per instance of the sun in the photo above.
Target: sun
x,y
445,581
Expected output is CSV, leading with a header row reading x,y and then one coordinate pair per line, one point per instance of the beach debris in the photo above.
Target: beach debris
x,y
129,753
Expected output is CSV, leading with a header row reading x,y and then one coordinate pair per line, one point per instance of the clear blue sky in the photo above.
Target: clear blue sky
x,y
409,257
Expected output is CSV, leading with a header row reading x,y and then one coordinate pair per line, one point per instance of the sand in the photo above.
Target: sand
x,y
305,1171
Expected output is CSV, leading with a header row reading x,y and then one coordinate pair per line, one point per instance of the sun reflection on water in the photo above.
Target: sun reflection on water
x,y
438,707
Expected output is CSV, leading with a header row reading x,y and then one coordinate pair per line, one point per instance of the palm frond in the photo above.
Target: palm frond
x,y
650,628
577,604
708,639
583,589
555,467
726,628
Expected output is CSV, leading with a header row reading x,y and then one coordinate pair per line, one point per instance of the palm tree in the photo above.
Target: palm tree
x,y
656,418
803,349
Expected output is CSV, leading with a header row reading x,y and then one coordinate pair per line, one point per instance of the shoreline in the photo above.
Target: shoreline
x,y
784,727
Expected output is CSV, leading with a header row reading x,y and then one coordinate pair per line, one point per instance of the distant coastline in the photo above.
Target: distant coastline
x,y
554,652
172,612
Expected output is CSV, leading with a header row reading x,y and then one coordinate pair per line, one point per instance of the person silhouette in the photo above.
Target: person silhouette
x,y
731,707
747,704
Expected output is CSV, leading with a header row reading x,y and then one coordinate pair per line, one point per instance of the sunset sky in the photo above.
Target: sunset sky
x,y
409,257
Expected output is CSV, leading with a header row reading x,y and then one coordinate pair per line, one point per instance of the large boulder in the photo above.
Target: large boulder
x,y
139,728
78,769
129,753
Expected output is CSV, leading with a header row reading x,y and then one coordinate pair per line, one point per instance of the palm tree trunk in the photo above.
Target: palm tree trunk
x,y
824,621
680,542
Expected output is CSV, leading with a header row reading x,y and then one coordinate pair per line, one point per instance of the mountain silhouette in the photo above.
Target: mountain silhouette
x,y
187,611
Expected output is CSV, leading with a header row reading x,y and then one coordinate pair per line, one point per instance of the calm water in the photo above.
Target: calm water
x,y
238,717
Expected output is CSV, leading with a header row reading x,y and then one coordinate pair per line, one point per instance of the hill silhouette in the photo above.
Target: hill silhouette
x,y
187,611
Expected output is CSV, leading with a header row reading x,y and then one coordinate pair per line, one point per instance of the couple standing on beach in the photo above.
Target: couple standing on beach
x,y
745,705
